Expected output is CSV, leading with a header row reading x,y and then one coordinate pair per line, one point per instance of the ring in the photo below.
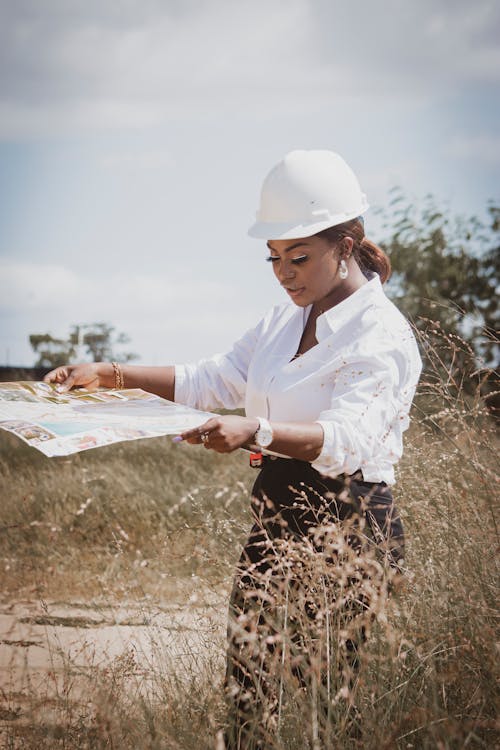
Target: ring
x,y
204,437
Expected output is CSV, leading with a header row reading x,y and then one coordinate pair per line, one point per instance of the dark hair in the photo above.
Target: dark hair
x,y
367,254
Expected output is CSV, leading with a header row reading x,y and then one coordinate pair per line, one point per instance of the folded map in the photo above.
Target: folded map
x,y
58,424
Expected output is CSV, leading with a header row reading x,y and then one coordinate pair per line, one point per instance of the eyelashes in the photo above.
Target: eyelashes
x,y
296,261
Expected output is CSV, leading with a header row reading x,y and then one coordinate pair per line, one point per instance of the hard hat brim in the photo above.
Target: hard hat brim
x,y
264,230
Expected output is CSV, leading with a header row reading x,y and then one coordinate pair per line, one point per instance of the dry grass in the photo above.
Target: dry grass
x,y
93,522
154,523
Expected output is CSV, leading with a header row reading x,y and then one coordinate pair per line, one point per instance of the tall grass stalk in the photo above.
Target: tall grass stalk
x,y
158,525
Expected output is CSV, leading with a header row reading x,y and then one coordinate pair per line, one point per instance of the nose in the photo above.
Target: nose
x,y
286,272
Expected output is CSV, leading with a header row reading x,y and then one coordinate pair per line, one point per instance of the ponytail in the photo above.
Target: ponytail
x,y
369,256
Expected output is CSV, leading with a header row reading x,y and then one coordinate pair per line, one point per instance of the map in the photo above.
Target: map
x,y
58,424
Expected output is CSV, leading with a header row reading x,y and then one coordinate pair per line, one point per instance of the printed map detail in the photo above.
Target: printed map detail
x,y
58,424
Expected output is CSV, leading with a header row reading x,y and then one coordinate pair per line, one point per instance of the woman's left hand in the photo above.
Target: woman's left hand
x,y
222,434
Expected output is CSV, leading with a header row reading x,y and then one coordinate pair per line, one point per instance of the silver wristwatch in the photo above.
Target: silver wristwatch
x,y
264,435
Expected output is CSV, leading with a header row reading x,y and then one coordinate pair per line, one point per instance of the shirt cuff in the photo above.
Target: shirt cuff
x,y
179,387
328,443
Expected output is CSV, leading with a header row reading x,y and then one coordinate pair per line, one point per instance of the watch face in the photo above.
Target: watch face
x,y
264,437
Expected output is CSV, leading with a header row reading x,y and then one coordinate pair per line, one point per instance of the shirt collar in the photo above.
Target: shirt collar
x,y
333,319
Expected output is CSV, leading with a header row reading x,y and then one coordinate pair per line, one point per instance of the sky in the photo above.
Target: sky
x,y
135,135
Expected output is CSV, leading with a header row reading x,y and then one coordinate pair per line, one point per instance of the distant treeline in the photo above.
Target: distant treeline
x,y
21,373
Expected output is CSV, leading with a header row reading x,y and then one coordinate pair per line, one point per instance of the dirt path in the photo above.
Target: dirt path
x,y
53,654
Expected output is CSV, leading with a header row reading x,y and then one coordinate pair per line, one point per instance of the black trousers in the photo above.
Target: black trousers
x,y
308,583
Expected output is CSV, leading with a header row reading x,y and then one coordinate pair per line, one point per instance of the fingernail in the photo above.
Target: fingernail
x,y
60,388
177,439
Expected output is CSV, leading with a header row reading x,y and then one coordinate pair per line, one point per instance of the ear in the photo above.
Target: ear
x,y
345,247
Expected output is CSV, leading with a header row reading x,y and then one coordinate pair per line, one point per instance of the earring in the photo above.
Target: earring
x,y
343,270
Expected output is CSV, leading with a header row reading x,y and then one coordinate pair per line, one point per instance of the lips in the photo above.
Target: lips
x,y
293,292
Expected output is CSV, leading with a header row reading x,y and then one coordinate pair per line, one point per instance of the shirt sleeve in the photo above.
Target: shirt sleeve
x,y
217,382
371,396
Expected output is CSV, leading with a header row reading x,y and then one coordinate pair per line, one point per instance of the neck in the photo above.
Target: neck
x,y
341,291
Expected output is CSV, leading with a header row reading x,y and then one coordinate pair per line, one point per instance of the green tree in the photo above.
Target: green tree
x,y
96,341
445,270
51,352
100,342
446,280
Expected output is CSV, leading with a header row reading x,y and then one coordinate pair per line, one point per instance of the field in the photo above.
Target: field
x,y
117,565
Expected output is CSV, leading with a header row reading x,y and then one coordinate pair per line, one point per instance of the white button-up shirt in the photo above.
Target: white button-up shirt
x,y
358,382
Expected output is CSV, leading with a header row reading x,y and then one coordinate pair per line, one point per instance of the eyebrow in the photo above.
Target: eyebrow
x,y
287,249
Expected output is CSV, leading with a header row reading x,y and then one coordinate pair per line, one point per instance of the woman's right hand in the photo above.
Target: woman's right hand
x,y
88,375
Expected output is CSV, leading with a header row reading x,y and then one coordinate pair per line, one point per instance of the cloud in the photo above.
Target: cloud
x,y
169,316
25,286
420,47
95,69
146,159
37,286
482,148
93,65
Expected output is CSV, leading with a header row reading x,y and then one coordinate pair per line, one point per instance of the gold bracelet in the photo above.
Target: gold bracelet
x,y
119,382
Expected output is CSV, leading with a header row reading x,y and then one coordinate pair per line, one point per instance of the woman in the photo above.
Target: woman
x,y
327,383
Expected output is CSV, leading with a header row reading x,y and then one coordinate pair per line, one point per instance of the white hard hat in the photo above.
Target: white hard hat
x,y
306,192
